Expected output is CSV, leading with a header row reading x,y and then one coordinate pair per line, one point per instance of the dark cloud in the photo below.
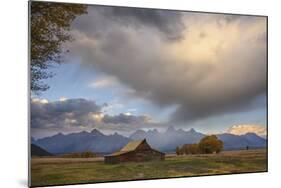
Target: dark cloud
x,y
125,119
67,113
79,114
204,110
219,66
169,23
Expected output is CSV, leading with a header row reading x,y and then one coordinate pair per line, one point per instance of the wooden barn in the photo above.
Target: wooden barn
x,y
136,151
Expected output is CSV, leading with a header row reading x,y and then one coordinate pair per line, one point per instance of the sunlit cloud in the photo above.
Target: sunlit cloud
x,y
104,82
216,66
38,101
244,129
98,117
62,99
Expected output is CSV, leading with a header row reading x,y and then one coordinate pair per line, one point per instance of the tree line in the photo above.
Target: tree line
x,y
86,154
207,145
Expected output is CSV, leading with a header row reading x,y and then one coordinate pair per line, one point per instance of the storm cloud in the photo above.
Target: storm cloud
x,y
69,115
66,113
168,24
216,66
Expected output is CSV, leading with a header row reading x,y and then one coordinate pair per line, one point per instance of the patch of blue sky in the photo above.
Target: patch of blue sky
x,y
71,80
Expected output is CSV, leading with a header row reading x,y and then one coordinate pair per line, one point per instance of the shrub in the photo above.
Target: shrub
x,y
86,154
192,149
188,149
178,150
210,144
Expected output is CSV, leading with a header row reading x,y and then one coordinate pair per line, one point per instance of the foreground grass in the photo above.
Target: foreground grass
x,y
52,171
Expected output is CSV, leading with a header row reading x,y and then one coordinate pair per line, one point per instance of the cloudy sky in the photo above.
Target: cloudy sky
x,y
131,69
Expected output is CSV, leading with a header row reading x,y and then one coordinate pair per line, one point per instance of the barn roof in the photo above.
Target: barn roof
x,y
131,146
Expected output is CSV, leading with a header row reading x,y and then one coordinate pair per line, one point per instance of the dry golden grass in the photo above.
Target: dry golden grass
x,y
57,171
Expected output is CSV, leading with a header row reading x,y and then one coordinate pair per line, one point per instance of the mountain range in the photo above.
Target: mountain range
x,y
167,141
39,152
83,141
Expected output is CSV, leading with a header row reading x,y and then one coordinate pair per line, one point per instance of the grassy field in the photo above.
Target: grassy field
x,y
56,171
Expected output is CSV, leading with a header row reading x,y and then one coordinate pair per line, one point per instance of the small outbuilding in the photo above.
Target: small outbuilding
x,y
136,151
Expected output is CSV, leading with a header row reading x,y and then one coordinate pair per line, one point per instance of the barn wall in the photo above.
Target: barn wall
x,y
148,155
142,153
136,156
110,159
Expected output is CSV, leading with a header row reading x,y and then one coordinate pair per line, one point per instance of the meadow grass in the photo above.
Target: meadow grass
x,y
54,171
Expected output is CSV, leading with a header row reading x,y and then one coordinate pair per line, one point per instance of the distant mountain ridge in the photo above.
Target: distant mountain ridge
x,y
94,141
242,141
38,151
167,141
